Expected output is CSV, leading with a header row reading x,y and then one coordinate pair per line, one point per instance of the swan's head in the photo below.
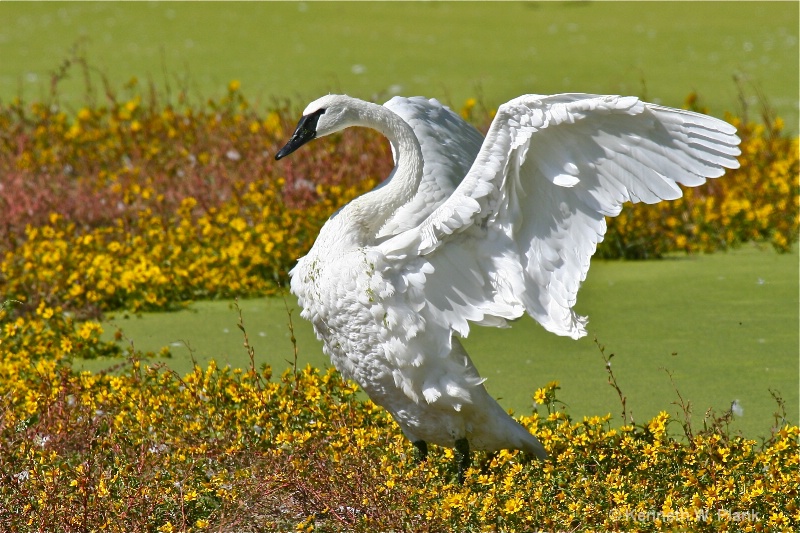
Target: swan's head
x,y
323,116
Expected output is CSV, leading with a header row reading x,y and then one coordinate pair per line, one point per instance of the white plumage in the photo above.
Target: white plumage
x,y
473,230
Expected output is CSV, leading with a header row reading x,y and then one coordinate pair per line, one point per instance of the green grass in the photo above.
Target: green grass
x,y
452,51
726,325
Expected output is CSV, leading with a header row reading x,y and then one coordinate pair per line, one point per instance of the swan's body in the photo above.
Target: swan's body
x,y
473,230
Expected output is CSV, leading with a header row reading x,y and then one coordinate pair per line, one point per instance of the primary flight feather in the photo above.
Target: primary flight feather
x,y
468,229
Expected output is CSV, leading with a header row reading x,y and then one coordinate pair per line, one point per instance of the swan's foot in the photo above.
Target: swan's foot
x,y
422,451
462,458
487,462
526,458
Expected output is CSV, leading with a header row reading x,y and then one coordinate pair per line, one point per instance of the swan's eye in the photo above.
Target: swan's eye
x,y
308,124
306,131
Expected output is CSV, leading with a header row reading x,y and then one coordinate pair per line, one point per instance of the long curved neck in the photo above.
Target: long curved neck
x,y
371,210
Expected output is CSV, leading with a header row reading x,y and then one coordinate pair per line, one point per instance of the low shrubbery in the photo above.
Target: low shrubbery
x,y
144,206
224,449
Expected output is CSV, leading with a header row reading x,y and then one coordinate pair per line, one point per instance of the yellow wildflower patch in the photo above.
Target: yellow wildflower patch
x,y
148,449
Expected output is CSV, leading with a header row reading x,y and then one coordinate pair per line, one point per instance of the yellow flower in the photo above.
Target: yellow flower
x,y
513,505
88,329
657,425
778,519
66,345
133,104
102,489
540,396
724,453
619,496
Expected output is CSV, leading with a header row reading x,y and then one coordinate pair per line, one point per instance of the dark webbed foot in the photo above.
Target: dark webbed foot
x,y
462,458
487,462
422,450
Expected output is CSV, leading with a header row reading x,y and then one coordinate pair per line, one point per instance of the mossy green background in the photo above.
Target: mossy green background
x,y
448,50
731,318
725,325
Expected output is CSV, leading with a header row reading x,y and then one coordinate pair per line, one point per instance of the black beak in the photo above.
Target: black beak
x,y
306,131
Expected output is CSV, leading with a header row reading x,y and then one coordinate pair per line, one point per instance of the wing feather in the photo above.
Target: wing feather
x,y
518,232
449,146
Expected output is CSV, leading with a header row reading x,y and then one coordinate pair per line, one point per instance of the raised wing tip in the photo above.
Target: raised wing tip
x,y
730,129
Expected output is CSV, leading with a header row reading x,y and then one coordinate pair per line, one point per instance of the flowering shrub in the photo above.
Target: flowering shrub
x,y
143,206
110,162
243,247
223,449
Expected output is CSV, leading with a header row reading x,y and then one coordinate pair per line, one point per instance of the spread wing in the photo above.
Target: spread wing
x,y
449,146
518,232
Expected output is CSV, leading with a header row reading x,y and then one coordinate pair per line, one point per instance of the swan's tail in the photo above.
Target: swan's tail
x,y
494,429
519,438
489,427
534,447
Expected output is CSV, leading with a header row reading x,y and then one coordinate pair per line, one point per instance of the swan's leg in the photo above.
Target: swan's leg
x,y
462,458
422,450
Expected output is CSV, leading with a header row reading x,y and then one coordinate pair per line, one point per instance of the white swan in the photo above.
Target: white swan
x,y
467,229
